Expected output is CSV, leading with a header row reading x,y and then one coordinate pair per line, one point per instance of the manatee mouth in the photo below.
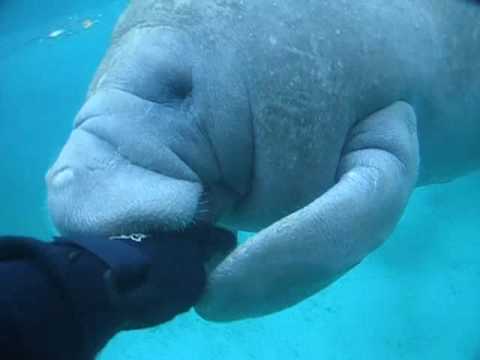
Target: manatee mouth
x,y
93,189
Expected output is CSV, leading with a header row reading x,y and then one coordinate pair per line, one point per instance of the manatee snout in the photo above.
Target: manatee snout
x,y
94,189
127,167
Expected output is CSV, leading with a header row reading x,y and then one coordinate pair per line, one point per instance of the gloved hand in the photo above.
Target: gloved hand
x,y
170,284
90,288
163,275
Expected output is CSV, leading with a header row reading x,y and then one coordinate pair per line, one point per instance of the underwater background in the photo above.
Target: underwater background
x,y
417,297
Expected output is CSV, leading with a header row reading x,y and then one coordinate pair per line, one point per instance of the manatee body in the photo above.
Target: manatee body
x,y
311,120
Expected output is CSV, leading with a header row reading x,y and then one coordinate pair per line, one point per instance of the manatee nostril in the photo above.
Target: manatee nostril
x,y
61,177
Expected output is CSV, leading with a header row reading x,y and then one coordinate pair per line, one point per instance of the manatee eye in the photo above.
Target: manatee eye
x,y
158,74
178,86
153,64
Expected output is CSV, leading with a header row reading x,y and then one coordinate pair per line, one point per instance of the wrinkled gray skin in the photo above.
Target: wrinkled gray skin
x,y
297,118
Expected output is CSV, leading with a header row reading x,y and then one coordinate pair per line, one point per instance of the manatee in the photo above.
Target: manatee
x,y
309,122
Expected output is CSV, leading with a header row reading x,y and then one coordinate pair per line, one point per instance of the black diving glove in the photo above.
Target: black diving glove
x,y
152,278
100,286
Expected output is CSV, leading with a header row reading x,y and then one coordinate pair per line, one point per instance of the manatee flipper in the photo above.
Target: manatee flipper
x,y
304,252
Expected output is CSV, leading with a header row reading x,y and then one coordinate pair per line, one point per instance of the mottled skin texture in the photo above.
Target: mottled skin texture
x,y
311,120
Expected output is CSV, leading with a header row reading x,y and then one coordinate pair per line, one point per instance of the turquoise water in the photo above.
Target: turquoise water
x,y
418,297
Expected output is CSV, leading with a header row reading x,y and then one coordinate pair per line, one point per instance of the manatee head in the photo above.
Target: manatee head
x,y
142,155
